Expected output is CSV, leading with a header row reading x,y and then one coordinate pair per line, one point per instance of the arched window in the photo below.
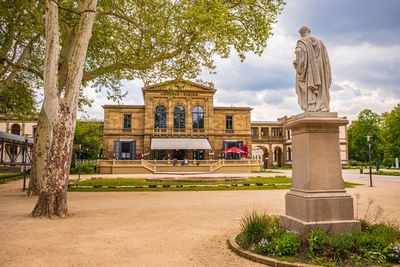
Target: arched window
x,y
16,129
160,117
179,117
198,118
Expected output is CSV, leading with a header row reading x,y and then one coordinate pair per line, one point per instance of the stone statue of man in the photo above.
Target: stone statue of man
x,y
313,73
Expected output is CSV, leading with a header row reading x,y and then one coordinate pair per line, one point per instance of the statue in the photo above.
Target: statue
x,y
313,73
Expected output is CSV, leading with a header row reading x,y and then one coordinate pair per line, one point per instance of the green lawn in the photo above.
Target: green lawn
x,y
6,177
265,183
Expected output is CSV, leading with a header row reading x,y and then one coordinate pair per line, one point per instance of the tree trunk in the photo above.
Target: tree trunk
x,y
53,196
39,154
61,112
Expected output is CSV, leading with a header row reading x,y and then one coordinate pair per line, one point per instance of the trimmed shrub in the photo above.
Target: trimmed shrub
x,y
87,167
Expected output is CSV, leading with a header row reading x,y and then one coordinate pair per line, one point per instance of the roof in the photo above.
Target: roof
x,y
268,122
123,106
233,108
166,83
15,138
180,143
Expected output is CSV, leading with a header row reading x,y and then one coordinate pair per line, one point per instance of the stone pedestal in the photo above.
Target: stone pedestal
x,y
317,198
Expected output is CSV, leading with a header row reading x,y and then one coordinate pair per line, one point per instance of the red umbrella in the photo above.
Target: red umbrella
x,y
233,150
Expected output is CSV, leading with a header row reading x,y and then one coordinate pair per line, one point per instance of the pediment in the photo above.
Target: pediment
x,y
180,86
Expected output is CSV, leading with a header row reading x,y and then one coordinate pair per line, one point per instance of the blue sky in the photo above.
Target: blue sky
x,y
363,42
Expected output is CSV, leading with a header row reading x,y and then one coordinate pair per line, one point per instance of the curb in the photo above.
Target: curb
x,y
262,259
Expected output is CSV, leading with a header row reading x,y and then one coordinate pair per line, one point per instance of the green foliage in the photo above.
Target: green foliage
x,y
287,245
388,234
365,226
340,246
391,131
317,241
18,99
283,244
392,253
87,167
367,123
256,226
90,137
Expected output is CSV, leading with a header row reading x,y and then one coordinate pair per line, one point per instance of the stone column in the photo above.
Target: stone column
x,y
317,198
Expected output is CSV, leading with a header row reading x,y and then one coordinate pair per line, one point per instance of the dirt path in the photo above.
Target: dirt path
x,y
143,228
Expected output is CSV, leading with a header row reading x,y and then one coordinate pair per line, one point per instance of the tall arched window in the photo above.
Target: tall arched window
x,y
160,117
179,117
16,129
198,118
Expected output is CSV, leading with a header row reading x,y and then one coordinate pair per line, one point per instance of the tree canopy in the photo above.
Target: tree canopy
x,y
385,136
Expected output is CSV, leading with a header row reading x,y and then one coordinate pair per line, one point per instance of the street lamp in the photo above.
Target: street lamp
x,y
369,154
79,162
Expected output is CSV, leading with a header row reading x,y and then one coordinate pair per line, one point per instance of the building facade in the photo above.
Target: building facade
x,y
179,121
16,126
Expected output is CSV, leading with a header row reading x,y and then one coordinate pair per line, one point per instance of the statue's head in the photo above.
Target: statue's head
x,y
304,31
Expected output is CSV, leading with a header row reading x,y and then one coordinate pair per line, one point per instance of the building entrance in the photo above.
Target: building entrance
x,y
179,154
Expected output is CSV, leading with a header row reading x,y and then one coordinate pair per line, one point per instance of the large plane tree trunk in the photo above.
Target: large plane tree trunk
x,y
61,111
39,154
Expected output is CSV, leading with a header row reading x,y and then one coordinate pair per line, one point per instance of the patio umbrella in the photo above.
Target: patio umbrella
x,y
233,150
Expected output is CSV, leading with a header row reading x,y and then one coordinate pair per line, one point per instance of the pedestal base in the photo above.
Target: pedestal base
x,y
317,199
302,227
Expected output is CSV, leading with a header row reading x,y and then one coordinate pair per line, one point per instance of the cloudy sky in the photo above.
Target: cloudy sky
x,y
363,42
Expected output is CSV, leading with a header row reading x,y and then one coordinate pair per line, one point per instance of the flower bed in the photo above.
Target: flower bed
x,y
376,244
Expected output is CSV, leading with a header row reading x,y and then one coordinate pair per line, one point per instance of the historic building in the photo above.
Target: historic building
x,y
16,126
179,121
179,124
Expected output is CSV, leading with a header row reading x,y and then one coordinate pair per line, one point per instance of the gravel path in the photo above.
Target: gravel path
x,y
145,228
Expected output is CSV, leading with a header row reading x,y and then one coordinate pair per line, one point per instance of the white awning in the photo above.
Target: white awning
x,y
179,143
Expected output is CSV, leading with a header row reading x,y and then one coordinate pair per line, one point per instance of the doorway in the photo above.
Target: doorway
x,y
179,154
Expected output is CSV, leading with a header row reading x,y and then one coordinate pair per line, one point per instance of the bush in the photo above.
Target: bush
x,y
340,246
365,226
317,241
87,167
287,245
388,234
256,227
388,162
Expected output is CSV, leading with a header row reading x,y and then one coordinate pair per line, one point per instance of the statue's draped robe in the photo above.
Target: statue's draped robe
x,y
313,74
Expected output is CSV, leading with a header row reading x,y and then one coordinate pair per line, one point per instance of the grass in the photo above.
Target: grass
x,y
7,177
108,184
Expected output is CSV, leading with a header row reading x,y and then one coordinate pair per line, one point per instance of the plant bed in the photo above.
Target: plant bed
x,y
262,239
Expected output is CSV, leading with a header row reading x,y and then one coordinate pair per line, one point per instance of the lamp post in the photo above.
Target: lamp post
x,y
79,162
369,154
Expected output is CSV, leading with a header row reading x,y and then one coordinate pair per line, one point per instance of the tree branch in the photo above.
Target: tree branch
x,y
112,14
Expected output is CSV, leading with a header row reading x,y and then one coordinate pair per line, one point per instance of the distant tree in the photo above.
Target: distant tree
x,y
90,137
367,123
391,133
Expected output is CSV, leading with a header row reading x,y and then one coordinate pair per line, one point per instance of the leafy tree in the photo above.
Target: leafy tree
x,y
391,133
150,40
90,137
367,123
18,99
